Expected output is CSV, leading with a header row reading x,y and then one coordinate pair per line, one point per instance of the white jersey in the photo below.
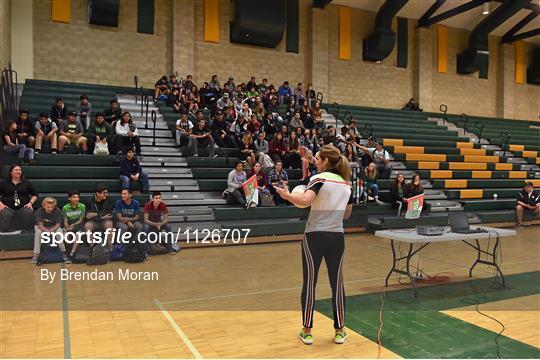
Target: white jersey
x,y
333,195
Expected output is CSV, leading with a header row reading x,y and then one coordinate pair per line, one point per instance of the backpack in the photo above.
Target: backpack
x,y
133,253
82,255
99,255
49,254
158,249
117,252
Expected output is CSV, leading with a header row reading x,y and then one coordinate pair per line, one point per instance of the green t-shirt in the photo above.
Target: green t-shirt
x,y
74,214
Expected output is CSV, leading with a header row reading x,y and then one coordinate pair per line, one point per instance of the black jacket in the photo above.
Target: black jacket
x,y
130,167
394,193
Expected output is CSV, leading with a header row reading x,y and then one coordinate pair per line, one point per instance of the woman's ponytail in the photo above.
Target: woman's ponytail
x,y
343,168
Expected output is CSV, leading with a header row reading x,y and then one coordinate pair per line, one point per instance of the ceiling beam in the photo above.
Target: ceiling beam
x,y
531,6
525,35
452,12
507,38
432,9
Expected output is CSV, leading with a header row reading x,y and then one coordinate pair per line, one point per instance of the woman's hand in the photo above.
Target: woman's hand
x,y
283,192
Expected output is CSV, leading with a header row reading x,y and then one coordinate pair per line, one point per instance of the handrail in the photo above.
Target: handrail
x,y
154,117
443,108
146,113
336,106
356,183
319,97
136,82
465,118
9,98
480,129
367,130
347,117
142,102
506,139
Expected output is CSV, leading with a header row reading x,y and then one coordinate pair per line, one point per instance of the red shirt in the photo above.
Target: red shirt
x,y
155,215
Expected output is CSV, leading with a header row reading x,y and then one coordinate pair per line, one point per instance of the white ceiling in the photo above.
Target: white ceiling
x,y
414,9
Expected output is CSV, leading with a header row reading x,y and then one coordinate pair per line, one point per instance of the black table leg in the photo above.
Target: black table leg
x,y
492,257
393,262
407,258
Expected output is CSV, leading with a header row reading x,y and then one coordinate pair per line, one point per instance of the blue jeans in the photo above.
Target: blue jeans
x,y
373,189
143,178
150,228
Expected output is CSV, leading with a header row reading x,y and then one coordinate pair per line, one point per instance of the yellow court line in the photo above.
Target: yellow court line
x,y
179,331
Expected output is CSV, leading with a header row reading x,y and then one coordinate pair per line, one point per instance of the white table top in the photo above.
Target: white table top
x,y
410,236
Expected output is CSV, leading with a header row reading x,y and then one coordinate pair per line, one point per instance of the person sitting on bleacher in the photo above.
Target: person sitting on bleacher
x,y
317,115
294,150
278,150
415,188
84,111
311,95
71,132
25,129
299,94
224,101
74,212
379,156
127,134
330,136
262,184
156,218
234,194
131,170
113,113
48,219
397,192
161,85
184,127
262,88
309,166
296,121
99,212
46,131
247,150
284,93
98,135
220,132
277,177
261,149
17,196
527,200
59,111
371,175
12,145
204,138
253,125
412,105
128,212
305,116
353,130
214,84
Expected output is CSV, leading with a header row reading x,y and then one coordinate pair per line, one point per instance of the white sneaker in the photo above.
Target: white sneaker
x,y
340,337
34,259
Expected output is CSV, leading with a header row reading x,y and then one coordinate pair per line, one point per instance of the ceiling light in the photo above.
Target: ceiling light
x,y
485,8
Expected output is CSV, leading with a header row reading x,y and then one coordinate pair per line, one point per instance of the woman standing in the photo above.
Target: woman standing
x,y
329,195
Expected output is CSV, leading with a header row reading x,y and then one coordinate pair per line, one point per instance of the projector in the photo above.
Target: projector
x,y
430,230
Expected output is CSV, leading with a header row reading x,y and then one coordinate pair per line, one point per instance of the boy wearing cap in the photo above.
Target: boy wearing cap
x,y
46,130
71,132
224,101
527,200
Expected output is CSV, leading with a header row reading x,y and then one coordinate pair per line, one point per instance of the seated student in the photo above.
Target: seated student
x,y
234,193
48,219
353,130
278,150
311,95
59,111
262,88
253,125
305,116
397,192
330,136
12,145
131,170
224,102
127,134
351,155
204,138
113,113
84,111
317,115
25,129
299,94
46,131
370,178
415,188
73,214
296,122
261,147
291,109
294,150
220,132
184,137
247,150
71,132
380,157
99,132
309,166
262,183
527,200
17,196
128,212
156,218
99,212
238,127
161,85
277,177
285,93
214,84
412,105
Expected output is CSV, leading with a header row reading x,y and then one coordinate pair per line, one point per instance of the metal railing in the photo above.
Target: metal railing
x,y
367,130
146,112
505,137
319,97
154,118
347,117
9,97
480,126
465,119
136,82
357,186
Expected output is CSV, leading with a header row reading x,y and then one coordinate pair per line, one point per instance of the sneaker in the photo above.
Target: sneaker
x,y
305,338
195,155
520,225
36,151
54,152
340,337
66,259
34,259
215,155
378,202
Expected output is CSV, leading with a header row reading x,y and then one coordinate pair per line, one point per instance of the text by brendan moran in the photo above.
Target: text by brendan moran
x,y
96,275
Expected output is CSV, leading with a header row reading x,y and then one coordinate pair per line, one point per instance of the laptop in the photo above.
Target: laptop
x,y
460,224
